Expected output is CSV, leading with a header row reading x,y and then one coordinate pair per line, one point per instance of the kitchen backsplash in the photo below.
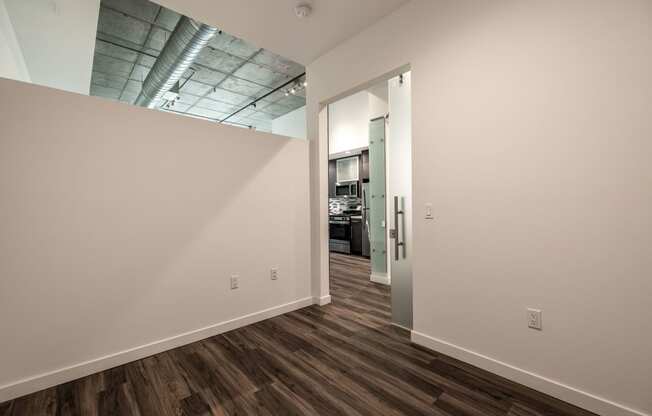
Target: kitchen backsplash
x,y
339,204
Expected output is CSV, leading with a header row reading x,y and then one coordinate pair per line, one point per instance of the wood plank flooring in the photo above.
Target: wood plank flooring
x,y
341,359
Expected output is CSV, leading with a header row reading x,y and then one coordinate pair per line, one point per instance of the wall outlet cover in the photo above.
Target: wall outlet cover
x,y
235,282
273,273
534,319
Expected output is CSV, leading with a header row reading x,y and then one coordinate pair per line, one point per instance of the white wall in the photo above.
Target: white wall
x,y
292,124
348,123
378,100
121,226
12,63
57,39
531,137
348,118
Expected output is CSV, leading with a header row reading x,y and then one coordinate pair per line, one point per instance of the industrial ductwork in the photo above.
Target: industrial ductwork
x,y
185,44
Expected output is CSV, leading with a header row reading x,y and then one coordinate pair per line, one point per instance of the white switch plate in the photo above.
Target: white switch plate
x,y
534,318
429,215
273,273
235,281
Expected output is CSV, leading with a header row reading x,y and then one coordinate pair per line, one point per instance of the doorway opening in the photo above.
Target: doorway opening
x,y
370,201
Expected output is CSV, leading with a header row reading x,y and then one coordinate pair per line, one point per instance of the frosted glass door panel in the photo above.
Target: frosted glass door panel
x,y
399,181
377,199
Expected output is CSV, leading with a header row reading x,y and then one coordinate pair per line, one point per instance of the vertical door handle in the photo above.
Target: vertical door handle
x,y
396,232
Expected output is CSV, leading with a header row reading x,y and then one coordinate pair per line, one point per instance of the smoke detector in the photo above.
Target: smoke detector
x,y
303,10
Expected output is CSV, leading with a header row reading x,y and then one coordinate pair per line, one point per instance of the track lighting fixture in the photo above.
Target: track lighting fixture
x,y
298,86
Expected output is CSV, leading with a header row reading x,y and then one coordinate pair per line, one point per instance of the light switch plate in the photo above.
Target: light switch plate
x,y
429,215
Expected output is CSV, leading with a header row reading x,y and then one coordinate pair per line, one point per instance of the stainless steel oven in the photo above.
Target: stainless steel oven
x,y
339,228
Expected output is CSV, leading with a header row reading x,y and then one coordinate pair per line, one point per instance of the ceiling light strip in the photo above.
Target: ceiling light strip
x,y
253,103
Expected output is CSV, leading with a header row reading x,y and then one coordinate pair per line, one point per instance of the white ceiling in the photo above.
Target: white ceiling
x,y
272,24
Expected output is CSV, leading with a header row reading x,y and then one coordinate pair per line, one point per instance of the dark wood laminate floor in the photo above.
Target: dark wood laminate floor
x,y
342,359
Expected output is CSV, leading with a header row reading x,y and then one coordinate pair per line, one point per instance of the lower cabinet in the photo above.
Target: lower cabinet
x,y
356,236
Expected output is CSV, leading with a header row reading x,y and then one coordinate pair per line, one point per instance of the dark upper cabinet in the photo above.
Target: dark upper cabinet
x,y
363,172
364,166
332,177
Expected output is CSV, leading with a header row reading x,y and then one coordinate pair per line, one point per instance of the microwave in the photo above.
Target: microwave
x,y
346,189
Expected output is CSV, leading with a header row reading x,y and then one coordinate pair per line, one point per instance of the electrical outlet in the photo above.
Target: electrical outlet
x,y
534,318
273,273
235,281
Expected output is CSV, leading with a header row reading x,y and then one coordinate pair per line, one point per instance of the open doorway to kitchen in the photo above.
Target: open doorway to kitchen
x,y
369,202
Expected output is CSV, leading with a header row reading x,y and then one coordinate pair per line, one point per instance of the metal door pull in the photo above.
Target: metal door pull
x,y
395,234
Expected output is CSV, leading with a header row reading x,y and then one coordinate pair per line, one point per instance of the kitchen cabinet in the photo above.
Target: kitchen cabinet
x,y
348,169
356,236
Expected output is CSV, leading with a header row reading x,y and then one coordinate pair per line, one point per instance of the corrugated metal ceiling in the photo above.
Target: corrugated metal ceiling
x,y
228,74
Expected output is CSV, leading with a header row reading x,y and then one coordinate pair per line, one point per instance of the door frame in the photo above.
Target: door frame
x,y
321,282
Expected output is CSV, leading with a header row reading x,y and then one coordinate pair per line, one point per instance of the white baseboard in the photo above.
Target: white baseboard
x,y
404,328
324,300
545,385
383,279
64,375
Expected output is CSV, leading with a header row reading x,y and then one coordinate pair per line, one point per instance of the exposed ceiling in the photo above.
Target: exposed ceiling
x,y
274,25
229,73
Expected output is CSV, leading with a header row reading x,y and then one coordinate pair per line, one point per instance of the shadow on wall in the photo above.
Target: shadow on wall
x,y
129,222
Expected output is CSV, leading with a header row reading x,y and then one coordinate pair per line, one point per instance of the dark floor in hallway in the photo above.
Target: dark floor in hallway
x,y
341,359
